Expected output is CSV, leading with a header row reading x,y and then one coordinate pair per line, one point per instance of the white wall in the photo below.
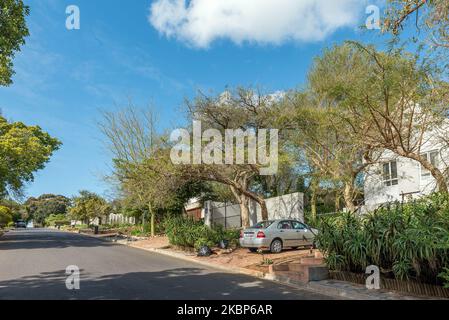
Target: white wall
x,y
118,219
410,178
289,206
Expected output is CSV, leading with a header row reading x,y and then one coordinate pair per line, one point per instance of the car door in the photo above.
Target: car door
x,y
303,235
286,233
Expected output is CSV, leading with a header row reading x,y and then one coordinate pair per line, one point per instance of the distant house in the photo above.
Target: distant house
x,y
194,209
397,178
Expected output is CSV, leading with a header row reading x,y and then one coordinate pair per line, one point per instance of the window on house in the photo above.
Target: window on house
x,y
390,173
432,157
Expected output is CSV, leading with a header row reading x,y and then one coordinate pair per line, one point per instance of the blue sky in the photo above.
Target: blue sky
x,y
65,77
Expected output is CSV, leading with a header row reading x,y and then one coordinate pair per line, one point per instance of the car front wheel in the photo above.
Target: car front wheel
x,y
276,246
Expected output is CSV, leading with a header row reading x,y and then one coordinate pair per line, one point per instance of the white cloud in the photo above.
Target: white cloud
x,y
200,22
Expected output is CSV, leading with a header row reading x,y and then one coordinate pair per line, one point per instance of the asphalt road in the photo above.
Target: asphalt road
x,y
33,265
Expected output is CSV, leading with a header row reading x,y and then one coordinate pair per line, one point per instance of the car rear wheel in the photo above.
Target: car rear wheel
x,y
253,250
276,246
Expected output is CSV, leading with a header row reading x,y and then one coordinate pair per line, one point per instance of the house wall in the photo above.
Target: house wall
x,y
410,178
289,206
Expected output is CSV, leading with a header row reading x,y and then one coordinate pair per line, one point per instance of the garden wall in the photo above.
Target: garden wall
x,y
290,206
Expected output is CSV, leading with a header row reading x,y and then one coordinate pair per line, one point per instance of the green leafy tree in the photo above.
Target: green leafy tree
x,y
46,205
248,110
146,179
335,158
13,31
387,100
5,216
88,206
23,150
18,210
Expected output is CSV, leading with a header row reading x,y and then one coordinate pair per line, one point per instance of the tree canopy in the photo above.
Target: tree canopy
x,y
6,216
87,206
40,208
430,15
385,100
146,179
13,31
23,150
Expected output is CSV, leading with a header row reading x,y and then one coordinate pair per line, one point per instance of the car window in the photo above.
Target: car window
x,y
284,225
262,225
298,225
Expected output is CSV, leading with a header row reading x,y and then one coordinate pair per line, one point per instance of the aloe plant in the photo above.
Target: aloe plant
x,y
408,241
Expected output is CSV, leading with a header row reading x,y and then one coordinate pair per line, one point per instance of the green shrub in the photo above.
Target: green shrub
x,y
445,276
5,216
409,241
81,226
55,220
186,232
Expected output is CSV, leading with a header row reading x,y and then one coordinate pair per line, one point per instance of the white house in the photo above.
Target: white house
x,y
397,178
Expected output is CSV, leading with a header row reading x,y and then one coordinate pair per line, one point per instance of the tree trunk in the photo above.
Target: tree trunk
x,y
244,211
438,176
349,196
434,171
144,221
337,200
313,199
264,210
242,200
153,226
150,210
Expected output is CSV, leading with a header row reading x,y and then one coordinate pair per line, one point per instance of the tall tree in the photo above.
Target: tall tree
x,y
241,109
13,31
143,170
45,205
88,206
389,100
335,157
23,150
6,216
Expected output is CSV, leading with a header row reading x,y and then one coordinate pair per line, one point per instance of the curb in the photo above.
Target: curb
x,y
181,256
320,289
315,287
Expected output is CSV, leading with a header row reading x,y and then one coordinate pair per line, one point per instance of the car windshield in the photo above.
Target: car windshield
x,y
262,225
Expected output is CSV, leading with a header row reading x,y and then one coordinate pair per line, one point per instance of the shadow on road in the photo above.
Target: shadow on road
x,y
181,283
47,239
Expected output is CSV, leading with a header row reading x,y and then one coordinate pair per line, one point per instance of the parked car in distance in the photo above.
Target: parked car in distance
x,y
21,224
276,235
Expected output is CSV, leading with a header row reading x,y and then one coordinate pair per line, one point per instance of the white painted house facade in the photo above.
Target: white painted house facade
x,y
397,178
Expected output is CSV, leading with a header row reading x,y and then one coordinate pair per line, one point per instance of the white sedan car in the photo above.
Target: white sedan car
x,y
275,235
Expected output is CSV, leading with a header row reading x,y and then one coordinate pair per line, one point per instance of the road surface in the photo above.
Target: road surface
x,y
33,265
